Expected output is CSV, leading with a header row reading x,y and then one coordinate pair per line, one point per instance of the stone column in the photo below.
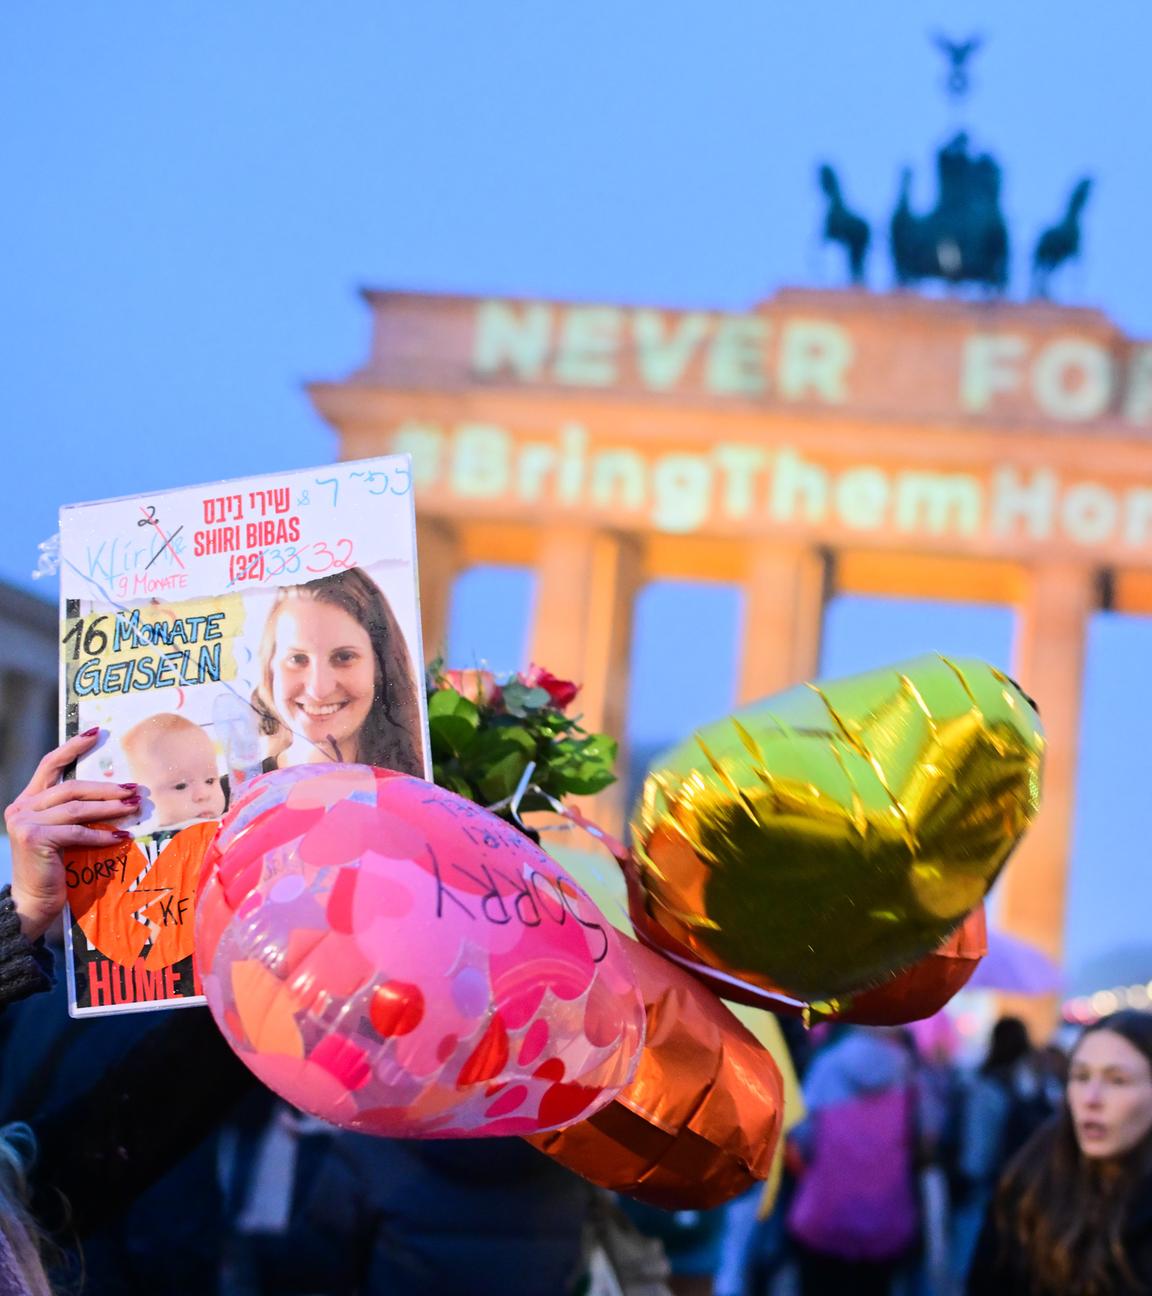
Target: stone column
x,y
440,562
586,584
1051,634
785,590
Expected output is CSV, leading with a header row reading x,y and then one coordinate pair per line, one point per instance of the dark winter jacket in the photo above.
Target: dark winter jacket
x,y
117,1105
489,1217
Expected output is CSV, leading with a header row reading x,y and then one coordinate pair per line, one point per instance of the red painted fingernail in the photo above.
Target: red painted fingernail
x,y
91,733
121,835
129,787
133,802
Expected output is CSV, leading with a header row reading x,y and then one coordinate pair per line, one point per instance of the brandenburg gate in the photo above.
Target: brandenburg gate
x,y
821,443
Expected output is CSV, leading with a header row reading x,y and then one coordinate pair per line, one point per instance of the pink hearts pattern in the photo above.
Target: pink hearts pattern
x,y
399,961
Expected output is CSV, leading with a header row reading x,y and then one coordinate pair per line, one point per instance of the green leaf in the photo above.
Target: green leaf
x,y
583,766
453,722
492,745
446,701
519,700
589,784
501,779
498,758
451,735
454,783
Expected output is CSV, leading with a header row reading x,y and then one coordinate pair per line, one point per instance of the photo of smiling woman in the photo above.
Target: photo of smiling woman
x,y
1073,1215
337,681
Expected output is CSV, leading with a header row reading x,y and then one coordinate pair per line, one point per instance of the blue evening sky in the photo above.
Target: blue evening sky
x,y
194,192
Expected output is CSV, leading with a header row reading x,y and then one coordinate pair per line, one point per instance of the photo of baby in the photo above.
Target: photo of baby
x,y
174,761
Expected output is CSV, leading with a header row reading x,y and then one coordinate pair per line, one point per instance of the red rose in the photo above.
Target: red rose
x,y
560,692
477,686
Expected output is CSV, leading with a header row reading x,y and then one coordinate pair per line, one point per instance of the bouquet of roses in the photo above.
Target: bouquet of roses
x,y
487,732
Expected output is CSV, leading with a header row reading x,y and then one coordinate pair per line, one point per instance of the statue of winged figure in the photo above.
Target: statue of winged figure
x,y
958,54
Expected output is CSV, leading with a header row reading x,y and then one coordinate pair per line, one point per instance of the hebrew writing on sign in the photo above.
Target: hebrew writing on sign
x,y
213,634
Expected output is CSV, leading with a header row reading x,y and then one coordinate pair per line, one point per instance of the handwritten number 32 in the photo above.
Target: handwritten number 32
x,y
339,561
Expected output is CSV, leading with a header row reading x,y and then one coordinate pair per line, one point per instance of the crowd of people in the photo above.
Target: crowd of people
x,y
1028,1174
141,1157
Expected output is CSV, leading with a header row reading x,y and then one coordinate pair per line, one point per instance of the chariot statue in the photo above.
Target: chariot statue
x,y
964,237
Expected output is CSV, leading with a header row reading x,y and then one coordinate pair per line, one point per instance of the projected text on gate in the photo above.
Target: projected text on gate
x,y
817,443
733,483
796,357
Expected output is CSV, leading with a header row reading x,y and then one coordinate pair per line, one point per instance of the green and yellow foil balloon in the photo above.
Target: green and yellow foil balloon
x,y
819,841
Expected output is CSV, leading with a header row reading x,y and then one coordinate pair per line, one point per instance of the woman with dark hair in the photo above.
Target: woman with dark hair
x,y
1001,1107
1009,1045
1073,1215
337,681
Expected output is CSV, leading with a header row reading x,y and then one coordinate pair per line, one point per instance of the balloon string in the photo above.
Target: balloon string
x,y
614,845
759,997
624,858
714,974
523,787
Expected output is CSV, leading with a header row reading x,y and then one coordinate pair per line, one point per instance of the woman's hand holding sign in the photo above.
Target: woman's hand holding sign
x,y
50,816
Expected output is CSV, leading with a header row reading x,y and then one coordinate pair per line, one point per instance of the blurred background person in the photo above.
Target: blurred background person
x,y
443,1217
855,1218
691,1239
1002,1106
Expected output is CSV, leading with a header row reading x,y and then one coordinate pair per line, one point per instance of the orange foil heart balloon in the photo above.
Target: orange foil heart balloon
x,y
925,987
701,1118
831,836
917,992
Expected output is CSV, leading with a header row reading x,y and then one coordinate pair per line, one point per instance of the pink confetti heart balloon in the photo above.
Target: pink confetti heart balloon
x,y
399,961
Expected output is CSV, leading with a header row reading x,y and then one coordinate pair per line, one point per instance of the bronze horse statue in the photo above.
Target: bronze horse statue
x,y
844,226
1060,242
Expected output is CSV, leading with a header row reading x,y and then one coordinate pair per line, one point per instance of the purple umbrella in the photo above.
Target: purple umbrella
x,y
1014,965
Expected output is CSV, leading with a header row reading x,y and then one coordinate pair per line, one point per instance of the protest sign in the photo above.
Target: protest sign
x,y
214,633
